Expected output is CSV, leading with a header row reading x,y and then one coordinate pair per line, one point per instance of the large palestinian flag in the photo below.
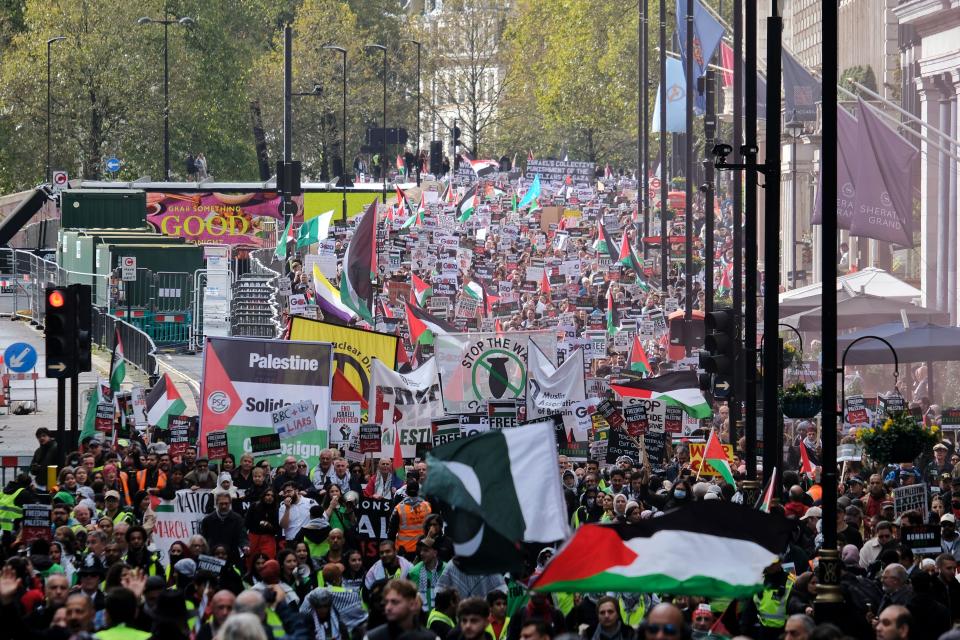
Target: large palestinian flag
x,y
421,321
164,401
360,266
710,548
604,243
679,388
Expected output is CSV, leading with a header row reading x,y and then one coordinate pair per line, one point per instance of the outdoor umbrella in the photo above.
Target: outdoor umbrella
x,y
871,281
864,310
923,343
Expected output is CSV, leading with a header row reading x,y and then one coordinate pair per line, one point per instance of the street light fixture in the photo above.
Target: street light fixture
x,y
343,129
794,128
419,91
50,42
184,21
383,152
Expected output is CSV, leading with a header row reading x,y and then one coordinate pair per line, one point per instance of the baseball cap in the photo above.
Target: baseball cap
x,y
812,512
940,446
186,567
112,493
948,517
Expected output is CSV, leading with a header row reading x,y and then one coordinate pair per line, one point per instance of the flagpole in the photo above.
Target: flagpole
x,y
664,244
749,428
688,185
644,120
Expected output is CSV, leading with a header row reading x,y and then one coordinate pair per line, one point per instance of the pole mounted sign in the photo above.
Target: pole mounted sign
x,y
20,357
128,269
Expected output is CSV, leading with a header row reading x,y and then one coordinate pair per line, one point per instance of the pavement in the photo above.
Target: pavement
x,y
17,431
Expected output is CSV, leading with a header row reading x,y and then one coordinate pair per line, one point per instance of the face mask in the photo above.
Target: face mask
x,y
680,494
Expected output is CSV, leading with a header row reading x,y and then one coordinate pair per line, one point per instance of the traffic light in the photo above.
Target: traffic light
x,y
718,357
60,330
84,326
436,157
456,139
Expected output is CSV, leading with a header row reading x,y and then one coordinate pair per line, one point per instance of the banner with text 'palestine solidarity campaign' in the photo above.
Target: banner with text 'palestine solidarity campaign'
x,y
246,379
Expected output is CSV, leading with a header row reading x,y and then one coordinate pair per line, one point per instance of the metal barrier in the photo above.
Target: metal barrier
x,y
12,466
139,348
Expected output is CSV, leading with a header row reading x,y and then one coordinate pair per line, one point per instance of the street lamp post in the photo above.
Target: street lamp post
x,y
184,21
343,129
383,152
794,127
49,43
419,91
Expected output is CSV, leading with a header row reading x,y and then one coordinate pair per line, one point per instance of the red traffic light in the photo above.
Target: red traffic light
x,y
55,299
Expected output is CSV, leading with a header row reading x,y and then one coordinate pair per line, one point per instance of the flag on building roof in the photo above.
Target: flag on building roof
x,y
532,193
489,479
467,204
360,266
328,297
638,357
419,290
164,401
118,365
716,457
677,388
708,548
420,321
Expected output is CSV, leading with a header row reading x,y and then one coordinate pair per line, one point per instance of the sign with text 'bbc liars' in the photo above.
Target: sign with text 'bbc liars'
x,y
295,419
245,380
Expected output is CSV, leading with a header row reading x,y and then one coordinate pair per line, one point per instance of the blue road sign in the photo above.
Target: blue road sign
x,y
113,164
20,357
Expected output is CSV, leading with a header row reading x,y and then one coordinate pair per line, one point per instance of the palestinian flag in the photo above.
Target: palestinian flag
x,y
769,495
604,243
419,290
118,366
420,321
398,467
677,388
638,358
164,401
628,258
545,282
482,168
360,266
806,466
488,480
100,393
716,457
414,220
709,548
403,202
476,290
611,313
467,204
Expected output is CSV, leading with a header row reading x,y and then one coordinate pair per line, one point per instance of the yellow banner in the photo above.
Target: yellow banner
x,y
353,349
317,202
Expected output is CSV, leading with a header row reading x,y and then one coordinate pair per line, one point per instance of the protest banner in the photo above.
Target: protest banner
x,y
581,173
476,367
912,497
405,401
554,390
373,518
294,419
179,518
217,445
353,352
246,379
35,524
696,458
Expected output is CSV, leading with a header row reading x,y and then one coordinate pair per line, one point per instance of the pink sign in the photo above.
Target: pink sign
x,y
209,217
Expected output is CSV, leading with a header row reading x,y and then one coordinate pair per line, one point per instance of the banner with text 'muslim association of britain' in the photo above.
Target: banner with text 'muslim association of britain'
x,y
246,379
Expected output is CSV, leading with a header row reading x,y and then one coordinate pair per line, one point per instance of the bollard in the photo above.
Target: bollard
x,y
51,477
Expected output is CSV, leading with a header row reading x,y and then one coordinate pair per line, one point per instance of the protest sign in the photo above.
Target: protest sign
x,y
210,566
950,416
923,539
655,443
445,430
610,413
696,458
217,445
621,444
849,453
246,379
673,419
856,411
103,421
180,434
179,518
294,419
912,497
265,445
369,438
891,404
298,304
635,417
344,420
373,517
36,523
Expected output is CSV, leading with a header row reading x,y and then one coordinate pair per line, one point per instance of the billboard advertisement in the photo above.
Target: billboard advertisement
x,y
246,380
220,218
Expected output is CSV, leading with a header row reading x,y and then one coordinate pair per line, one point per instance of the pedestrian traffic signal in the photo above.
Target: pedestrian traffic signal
x,y
718,357
60,330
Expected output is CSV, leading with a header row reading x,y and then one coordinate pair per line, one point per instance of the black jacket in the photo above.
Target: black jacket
x,y
45,456
228,531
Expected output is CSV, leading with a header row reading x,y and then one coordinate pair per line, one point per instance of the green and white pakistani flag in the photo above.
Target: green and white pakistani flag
x,y
467,205
314,230
503,489
118,366
281,250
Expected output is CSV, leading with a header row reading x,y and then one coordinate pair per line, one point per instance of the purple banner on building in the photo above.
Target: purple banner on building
x,y
847,135
801,91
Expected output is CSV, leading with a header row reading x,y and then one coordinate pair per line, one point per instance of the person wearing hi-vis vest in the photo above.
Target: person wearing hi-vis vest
x,y
406,521
442,618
